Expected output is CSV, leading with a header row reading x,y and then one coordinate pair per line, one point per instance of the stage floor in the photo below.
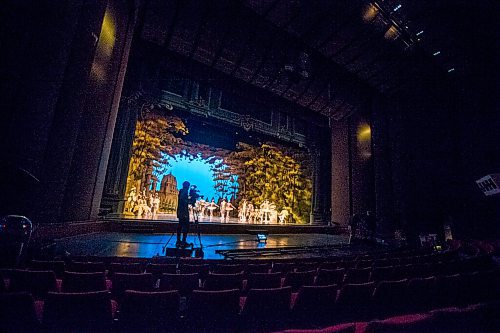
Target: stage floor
x,y
148,245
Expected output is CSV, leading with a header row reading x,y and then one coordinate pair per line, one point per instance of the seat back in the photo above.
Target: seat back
x,y
217,310
330,265
446,290
228,269
263,280
83,282
147,311
184,283
381,273
130,268
330,276
258,268
158,269
282,267
202,269
126,281
355,275
414,323
86,267
224,281
267,304
40,265
38,283
420,295
355,294
299,279
315,303
17,313
89,310
389,297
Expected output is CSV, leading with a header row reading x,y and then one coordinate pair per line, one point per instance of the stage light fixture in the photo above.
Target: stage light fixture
x,y
420,32
451,70
397,8
370,12
436,53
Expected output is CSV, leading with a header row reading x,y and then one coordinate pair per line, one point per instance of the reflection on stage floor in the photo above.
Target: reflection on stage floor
x,y
149,245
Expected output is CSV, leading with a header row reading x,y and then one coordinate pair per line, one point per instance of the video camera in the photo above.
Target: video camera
x,y
194,194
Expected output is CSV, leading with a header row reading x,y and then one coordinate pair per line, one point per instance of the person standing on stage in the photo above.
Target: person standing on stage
x,y
223,204
183,214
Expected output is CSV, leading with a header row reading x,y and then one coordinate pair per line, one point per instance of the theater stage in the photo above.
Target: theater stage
x,y
136,245
135,225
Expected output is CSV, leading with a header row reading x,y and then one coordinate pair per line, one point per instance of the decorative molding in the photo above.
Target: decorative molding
x,y
247,122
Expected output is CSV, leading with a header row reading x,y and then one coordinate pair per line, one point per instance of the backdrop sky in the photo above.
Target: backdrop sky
x,y
198,172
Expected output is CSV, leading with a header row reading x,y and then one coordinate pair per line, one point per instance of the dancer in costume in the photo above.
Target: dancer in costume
x,y
211,207
223,205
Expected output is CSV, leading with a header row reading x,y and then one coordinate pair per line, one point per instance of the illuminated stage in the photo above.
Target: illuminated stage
x,y
165,217
135,225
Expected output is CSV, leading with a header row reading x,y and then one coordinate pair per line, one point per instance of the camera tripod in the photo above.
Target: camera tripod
x,y
198,251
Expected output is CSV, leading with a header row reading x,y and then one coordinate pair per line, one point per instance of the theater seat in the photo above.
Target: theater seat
x,y
213,310
158,269
266,309
38,283
90,311
86,267
57,267
125,281
340,328
357,275
83,282
17,313
263,280
412,323
327,277
354,301
202,269
149,311
224,281
299,279
389,298
421,292
184,283
258,268
130,268
228,269
315,305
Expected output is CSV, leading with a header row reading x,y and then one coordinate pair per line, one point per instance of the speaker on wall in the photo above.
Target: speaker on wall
x,y
489,184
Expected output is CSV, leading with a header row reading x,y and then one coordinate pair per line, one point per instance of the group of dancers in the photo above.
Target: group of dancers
x,y
265,213
142,204
147,205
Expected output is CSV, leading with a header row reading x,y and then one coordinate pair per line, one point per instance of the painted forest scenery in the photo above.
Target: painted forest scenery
x,y
267,181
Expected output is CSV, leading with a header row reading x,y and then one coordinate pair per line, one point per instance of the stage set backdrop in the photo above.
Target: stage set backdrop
x,y
248,180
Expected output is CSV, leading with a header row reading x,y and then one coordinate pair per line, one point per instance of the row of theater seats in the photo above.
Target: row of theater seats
x,y
477,318
261,292
218,311
319,305
41,275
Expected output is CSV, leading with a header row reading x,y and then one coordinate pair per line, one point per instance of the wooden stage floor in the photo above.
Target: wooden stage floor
x,y
146,245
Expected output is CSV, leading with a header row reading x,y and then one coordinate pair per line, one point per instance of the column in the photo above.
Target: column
x,y
83,195
340,183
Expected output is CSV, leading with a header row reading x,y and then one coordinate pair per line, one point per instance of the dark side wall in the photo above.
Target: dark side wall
x,y
61,76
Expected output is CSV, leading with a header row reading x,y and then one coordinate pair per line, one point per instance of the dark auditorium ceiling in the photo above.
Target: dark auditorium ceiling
x,y
323,54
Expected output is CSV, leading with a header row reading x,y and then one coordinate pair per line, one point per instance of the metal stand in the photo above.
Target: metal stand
x,y
198,251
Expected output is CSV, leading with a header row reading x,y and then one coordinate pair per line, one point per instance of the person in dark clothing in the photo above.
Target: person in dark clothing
x,y
183,214
371,224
